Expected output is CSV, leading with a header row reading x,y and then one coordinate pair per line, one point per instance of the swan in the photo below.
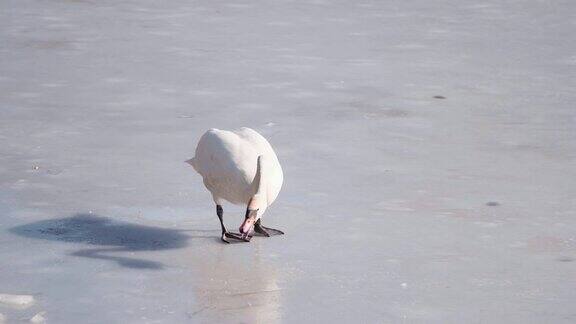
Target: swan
x,y
240,167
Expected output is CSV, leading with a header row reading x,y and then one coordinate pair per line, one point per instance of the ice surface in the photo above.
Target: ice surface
x,y
38,318
16,301
429,152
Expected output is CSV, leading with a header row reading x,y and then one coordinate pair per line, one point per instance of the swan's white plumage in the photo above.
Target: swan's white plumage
x,y
228,163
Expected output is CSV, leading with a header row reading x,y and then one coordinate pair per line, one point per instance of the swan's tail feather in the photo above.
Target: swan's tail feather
x,y
192,162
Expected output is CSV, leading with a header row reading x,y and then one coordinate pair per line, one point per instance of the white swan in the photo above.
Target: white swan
x,y
241,167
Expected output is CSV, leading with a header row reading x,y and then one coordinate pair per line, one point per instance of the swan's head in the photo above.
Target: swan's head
x,y
256,208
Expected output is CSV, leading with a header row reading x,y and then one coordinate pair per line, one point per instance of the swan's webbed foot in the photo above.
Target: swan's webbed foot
x,y
225,234
266,231
236,236
224,239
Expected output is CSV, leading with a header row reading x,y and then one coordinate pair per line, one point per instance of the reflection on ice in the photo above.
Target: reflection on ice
x,y
246,290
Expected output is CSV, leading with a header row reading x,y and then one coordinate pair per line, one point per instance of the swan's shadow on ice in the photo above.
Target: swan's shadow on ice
x,y
113,236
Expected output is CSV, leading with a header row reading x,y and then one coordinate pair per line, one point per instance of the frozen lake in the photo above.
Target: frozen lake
x,y
429,152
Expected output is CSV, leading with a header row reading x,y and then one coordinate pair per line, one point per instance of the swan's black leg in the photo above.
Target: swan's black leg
x,y
258,228
225,233
266,231
220,213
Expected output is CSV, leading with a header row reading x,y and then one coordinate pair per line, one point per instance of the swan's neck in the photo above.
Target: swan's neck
x,y
259,200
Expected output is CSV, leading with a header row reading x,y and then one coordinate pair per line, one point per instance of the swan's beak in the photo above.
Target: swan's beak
x,y
248,225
